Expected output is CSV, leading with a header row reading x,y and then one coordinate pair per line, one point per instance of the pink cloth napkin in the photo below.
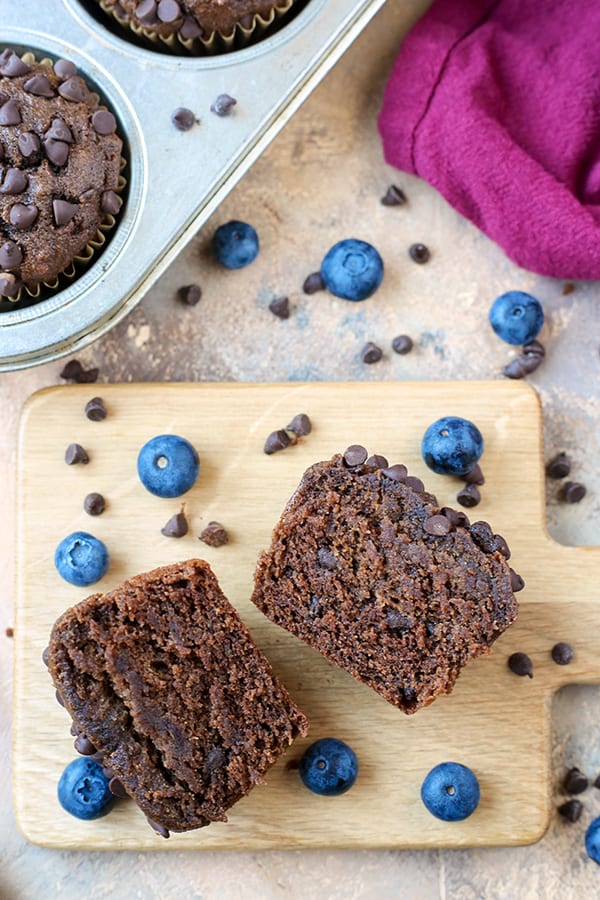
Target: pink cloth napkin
x,y
496,103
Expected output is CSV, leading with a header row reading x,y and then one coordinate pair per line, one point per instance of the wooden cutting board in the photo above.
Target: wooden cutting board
x,y
494,722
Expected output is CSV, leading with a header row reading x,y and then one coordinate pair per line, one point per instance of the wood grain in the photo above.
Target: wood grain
x,y
494,722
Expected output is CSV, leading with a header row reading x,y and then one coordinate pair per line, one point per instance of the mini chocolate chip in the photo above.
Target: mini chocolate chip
x,y
377,462
190,29
277,440
74,371
396,473
83,746
38,85
394,196
571,810
516,582
14,67
215,535
11,255
520,664
59,131
168,10
56,151
562,654
75,454
475,476
111,203
94,504
397,621
59,699
522,365
103,122
280,307
159,829
419,253
28,143
95,409
371,353
559,466
501,547
63,211
64,68
568,289
9,285
183,119
355,455
575,781
437,525
73,89
327,559
402,344
46,656
223,104
116,788
9,113
469,496
176,527
300,425
483,536
415,483
571,492
534,348
9,632
15,182
23,217
146,12
313,283
189,294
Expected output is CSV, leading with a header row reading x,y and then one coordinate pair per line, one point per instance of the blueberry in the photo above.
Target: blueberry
x,y
235,244
168,465
81,559
452,446
83,789
352,270
450,792
329,767
516,317
592,840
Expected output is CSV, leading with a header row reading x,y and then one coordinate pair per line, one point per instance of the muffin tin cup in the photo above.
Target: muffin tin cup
x,y
160,213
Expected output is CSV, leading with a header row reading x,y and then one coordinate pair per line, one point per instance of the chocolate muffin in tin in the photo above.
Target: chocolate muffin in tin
x,y
60,164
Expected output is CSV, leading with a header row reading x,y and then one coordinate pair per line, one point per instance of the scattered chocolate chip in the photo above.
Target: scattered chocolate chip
x,y
568,289
9,285
355,455
159,829
571,492
371,353
377,462
15,182
223,104
189,294
562,654
419,253
9,632
559,466
475,476
313,283
327,559
168,10
59,131
456,517
394,196
277,440
11,255
76,454
483,536
74,371
575,781
83,746
396,473
28,144
59,699
520,664
94,504
402,344
9,113
103,122
534,348
73,89
280,307
415,483
571,810
522,365
215,535
23,217
56,151
183,119
64,68
146,12
438,525
469,496
14,67
38,85
111,203
63,211
116,788
300,425
176,527
46,656
95,409
500,546
516,582
190,29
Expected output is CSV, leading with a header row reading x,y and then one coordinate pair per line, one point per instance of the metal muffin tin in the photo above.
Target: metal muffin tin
x,y
175,179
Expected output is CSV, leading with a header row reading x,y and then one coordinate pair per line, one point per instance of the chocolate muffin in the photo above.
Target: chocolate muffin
x,y
166,686
366,568
60,159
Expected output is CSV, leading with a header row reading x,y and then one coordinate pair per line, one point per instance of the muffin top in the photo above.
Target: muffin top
x,y
193,18
59,169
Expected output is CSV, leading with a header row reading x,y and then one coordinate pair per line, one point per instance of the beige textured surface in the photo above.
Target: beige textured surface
x,y
321,180
495,723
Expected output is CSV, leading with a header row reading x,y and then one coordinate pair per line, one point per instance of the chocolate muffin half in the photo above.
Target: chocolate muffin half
x,y
60,159
366,568
165,683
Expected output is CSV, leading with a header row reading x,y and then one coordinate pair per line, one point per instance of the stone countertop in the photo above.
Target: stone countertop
x,y
321,180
